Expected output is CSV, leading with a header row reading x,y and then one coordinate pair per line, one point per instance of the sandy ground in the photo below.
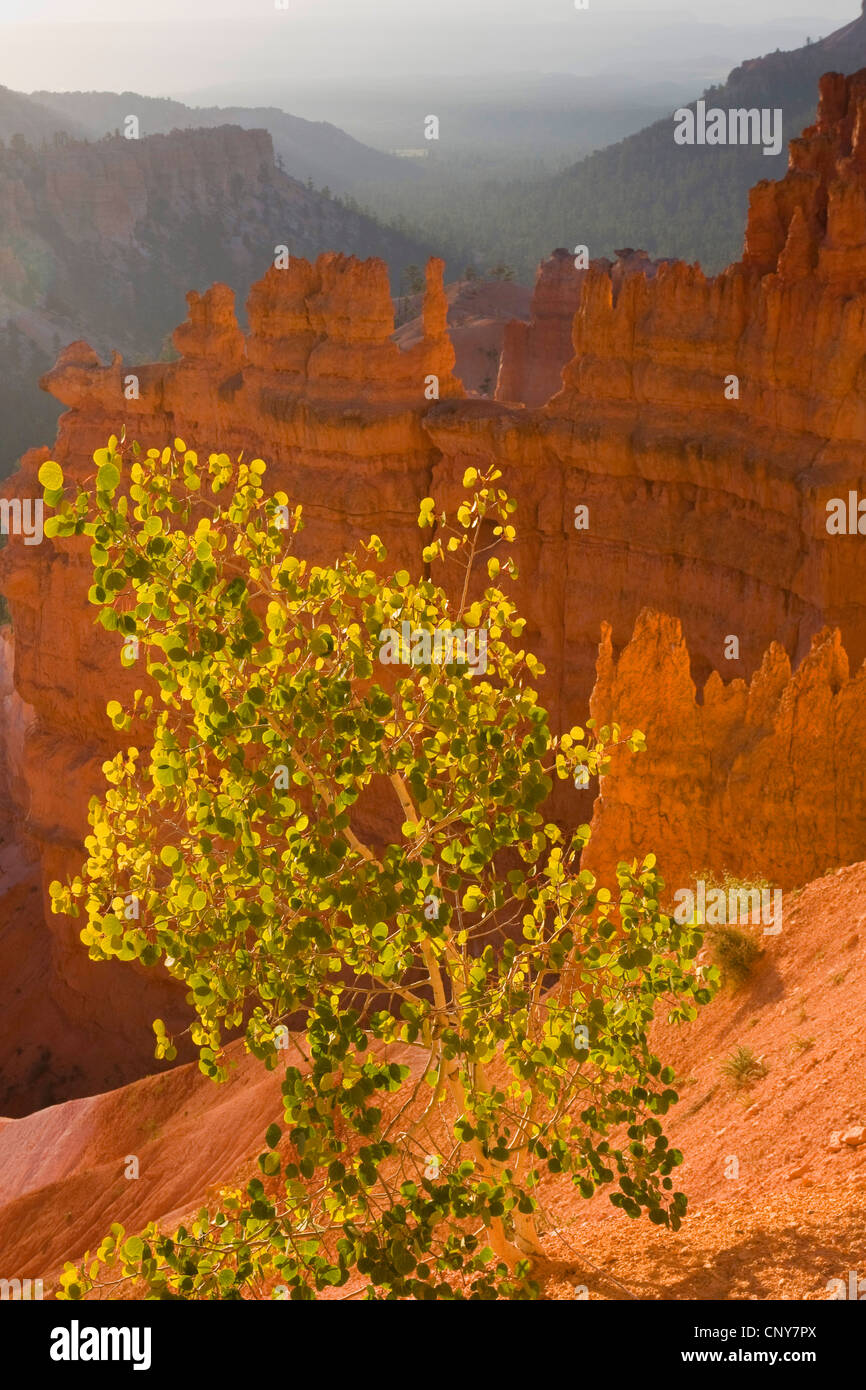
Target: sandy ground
x,y
775,1170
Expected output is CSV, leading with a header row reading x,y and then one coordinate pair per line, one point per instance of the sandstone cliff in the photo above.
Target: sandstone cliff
x,y
481,313
534,353
762,780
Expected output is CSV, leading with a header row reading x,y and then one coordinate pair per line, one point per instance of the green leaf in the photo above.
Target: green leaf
x,y
51,475
107,478
273,1136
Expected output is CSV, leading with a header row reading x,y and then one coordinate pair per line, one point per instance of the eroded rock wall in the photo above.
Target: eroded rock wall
x,y
758,780
535,351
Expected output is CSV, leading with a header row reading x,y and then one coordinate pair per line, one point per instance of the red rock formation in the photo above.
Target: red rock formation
x,y
763,780
480,312
69,1026
707,496
15,719
535,353
49,1047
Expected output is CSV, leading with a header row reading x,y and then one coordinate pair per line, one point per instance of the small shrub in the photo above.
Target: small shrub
x,y
743,1067
733,948
734,951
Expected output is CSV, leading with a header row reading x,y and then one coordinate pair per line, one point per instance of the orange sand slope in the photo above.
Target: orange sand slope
x,y
793,1218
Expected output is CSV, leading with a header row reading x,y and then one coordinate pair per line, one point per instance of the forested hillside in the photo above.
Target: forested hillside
x,y
645,191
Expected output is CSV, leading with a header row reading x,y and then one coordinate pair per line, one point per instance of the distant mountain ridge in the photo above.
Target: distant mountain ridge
x,y
24,116
313,150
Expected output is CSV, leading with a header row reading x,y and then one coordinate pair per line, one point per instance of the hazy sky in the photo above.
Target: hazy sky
x,y
180,46
369,11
